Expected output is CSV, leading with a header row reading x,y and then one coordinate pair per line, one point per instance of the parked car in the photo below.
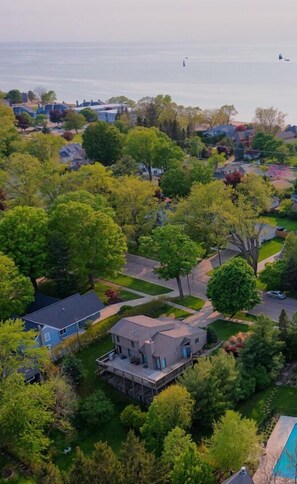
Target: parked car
x,y
276,294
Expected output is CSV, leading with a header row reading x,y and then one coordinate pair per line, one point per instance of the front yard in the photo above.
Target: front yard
x,y
191,302
277,221
101,288
226,329
270,248
140,285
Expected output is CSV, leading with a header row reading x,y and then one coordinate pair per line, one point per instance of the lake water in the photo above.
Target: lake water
x,y
244,75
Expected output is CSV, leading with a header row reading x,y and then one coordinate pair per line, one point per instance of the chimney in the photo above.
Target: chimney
x,y
243,471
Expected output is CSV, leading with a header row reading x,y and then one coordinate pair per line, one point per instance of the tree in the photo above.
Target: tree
x,y
16,290
152,148
89,114
8,132
68,136
190,468
171,408
81,469
284,325
133,417
228,449
96,179
233,287
121,100
18,349
214,385
227,112
176,252
125,166
64,403
14,96
25,415
48,473
74,120
135,206
24,121
72,368
56,116
46,97
175,183
195,146
261,359
31,96
176,443
102,142
95,242
41,120
98,202
45,147
105,465
20,180
200,171
96,409
23,237
269,120
138,465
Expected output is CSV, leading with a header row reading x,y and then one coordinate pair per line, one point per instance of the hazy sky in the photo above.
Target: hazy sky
x,y
148,20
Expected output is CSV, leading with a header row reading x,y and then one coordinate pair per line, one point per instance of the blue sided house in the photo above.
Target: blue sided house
x,y
61,319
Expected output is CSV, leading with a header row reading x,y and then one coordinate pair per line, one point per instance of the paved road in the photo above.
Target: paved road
x,y
272,307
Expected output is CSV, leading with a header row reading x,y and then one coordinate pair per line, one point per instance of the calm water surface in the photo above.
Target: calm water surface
x,y
244,75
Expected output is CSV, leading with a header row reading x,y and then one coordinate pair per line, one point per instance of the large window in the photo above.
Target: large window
x,y
163,363
132,344
47,337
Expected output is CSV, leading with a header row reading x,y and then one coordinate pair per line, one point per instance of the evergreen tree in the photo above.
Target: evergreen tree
x,y
138,465
105,465
48,473
65,281
284,325
81,470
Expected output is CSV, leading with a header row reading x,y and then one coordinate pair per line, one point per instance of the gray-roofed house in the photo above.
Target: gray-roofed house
x,y
241,477
74,155
63,318
149,354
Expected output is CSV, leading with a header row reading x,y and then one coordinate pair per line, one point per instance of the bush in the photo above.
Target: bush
x,y
212,336
72,367
133,417
125,308
96,409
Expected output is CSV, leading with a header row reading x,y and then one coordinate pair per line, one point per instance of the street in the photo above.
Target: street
x,y
272,307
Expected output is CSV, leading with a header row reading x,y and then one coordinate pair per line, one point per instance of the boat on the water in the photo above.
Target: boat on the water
x,y
286,59
184,63
280,56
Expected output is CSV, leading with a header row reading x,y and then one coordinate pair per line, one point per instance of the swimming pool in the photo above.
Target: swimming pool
x,y
286,465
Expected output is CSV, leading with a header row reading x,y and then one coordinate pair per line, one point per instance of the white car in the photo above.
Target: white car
x,y
276,294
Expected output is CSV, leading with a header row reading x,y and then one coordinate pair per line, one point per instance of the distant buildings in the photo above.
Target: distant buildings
x,y
105,112
74,155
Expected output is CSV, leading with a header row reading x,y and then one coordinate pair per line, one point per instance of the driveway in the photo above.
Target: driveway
x,y
272,307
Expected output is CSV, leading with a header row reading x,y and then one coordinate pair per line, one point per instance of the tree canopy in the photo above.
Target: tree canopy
x,y
103,143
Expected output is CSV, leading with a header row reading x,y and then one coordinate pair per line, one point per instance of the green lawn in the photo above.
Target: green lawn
x,y
101,288
189,302
245,316
226,329
285,222
140,285
284,401
270,248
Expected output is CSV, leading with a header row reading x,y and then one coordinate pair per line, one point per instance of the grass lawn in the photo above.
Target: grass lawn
x,y
167,310
284,401
189,302
245,316
270,248
225,329
101,288
140,285
285,222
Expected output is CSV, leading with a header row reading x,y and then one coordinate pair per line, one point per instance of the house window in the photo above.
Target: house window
x,y
47,337
163,363
129,352
158,363
118,339
144,359
132,344
119,349
63,331
197,340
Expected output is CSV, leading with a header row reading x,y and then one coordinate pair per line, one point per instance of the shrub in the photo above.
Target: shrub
x,y
73,368
212,336
68,135
133,417
125,308
96,409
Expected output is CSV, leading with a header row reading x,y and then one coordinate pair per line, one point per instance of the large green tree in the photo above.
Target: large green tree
x,y
214,385
18,349
191,468
74,120
16,291
95,242
23,237
45,147
152,148
269,120
233,287
8,132
135,206
171,408
103,143
176,252
261,358
137,463
234,442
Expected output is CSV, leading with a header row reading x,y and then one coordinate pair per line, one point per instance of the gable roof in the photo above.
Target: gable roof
x,y
241,477
41,301
67,311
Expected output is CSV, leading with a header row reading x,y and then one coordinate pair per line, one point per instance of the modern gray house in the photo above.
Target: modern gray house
x,y
149,354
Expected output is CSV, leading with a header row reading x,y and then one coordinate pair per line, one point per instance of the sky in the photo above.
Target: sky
x,y
255,21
